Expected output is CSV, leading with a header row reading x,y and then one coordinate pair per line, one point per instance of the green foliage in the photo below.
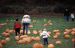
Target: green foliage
x,y
58,23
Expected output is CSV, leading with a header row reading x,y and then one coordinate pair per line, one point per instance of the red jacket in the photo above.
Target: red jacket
x,y
17,25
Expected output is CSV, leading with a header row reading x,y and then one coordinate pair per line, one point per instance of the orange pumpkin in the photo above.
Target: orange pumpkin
x,y
7,30
28,32
3,42
7,39
38,45
17,37
55,31
58,42
33,38
25,36
5,34
1,45
55,36
37,39
45,25
22,36
21,42
11,31
66,33
49,21
51,46
21,31
67,30
35,32
73,29
50,24
73,33
73,40
40,31
66,36
58,33
30,26
27,40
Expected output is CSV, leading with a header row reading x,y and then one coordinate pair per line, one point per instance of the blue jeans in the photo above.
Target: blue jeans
x,y
45,41
25,27
67,17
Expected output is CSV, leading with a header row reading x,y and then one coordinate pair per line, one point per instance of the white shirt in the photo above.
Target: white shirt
x,y
44,34
26,20
72,15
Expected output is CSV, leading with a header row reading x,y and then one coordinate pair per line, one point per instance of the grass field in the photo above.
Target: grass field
x,y
57,23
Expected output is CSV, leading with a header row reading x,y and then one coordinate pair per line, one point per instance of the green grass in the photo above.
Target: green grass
x,y
58,23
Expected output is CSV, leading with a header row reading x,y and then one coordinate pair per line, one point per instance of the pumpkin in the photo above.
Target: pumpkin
x,y
50,24
73,33
28,32
40,31
25,36
30,26
7,30
17,37
73,29
58,42
49,21
1,45
51,46
27,40
73,40
67,30
58,33
5,34
66,33
20,41
38,45
55,36
7,39
66,36
22,36
45,25
3,42
37,39
21,31
33,38
11,31
35,32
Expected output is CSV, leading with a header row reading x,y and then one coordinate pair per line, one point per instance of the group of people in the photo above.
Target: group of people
x,y
26,20
68,14
25,23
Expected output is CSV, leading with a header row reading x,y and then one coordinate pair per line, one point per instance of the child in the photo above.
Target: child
x,y
45,35
72,16
17,27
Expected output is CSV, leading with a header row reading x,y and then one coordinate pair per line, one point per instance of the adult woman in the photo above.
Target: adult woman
x,y
26,21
